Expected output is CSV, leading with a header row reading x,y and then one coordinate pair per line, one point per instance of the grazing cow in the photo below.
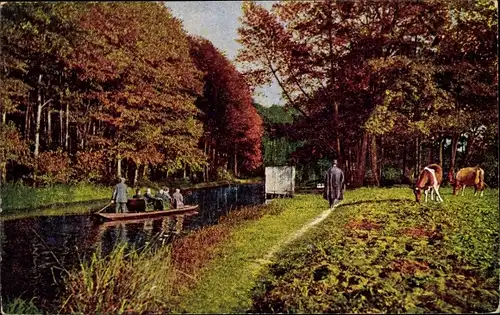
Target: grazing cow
x,y
469,176
429,179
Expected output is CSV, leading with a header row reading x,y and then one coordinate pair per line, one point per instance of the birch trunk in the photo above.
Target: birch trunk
x,y
119,167
61,127
66,137
49,127
38,117
136,174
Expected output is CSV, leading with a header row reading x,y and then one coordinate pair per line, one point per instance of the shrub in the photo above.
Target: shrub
x,y
89,167
53,168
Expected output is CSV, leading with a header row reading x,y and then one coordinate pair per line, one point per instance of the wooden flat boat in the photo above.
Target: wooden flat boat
x,y
144,215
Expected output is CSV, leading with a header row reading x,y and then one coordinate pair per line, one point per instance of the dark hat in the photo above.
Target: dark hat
x,y
334,162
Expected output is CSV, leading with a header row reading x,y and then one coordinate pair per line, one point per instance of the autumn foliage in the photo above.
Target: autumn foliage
x,y
364,76
107,89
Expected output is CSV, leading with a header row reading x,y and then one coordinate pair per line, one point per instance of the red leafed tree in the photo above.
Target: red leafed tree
x,y
233,128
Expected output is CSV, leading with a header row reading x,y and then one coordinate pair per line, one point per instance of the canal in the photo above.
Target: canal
x,y
36,251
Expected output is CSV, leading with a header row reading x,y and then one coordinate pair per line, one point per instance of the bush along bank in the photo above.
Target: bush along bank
x,y
380,252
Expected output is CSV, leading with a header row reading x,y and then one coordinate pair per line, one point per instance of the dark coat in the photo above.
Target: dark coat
x,y
120,193
149,196
334,184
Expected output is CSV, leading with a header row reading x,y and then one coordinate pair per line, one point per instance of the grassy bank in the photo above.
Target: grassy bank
x,y
380,252
224,284
17,197
66,209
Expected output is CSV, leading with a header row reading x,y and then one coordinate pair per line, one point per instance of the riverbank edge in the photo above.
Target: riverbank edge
x,y
19,210
240,259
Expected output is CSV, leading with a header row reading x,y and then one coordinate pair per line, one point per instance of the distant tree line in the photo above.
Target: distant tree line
x,y
91,91
385,87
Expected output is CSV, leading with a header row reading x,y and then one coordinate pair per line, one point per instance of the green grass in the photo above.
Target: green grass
x,y
380,252
17,196
20,306
69,209
227,281
126,280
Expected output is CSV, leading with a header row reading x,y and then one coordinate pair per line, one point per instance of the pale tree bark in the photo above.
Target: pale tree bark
x,y
61,127
40,106
136,174
119,167
49,127
38,116
66,137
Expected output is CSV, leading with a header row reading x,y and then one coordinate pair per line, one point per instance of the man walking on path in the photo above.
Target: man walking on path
x,y
120,196
334,185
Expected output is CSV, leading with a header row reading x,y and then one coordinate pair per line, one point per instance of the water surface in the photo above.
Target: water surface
x,y
36,251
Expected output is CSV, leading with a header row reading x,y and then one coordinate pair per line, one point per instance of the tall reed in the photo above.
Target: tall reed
x,y
126,280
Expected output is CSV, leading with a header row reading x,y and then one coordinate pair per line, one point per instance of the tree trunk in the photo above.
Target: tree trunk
x,y
119,167
360,169
66,137
454,146
3,176
49,127
184,171
417,157
373,156
4,117
61,128
381,158
405,178
430,157
38,116
27,124
468,148
136,174
235,161
145,171
332,81
441,147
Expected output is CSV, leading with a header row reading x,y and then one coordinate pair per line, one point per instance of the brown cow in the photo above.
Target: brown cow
x,y
430,178
469,176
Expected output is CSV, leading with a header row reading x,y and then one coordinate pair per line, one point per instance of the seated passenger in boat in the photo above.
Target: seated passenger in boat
x,y
148,195
137,194
178,200
164,196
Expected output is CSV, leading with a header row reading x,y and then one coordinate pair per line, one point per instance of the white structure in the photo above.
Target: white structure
x,y
280,180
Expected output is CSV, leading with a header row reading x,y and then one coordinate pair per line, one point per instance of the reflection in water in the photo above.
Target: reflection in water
x,y
36,250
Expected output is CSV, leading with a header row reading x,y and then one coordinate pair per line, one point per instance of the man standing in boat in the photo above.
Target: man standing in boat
x,y
120,197
178,200
334,185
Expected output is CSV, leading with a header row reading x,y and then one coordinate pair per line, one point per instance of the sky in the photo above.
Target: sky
x,y
218,22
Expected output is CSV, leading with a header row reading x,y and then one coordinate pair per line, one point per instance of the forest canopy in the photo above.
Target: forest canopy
x,y
381,84
92,90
